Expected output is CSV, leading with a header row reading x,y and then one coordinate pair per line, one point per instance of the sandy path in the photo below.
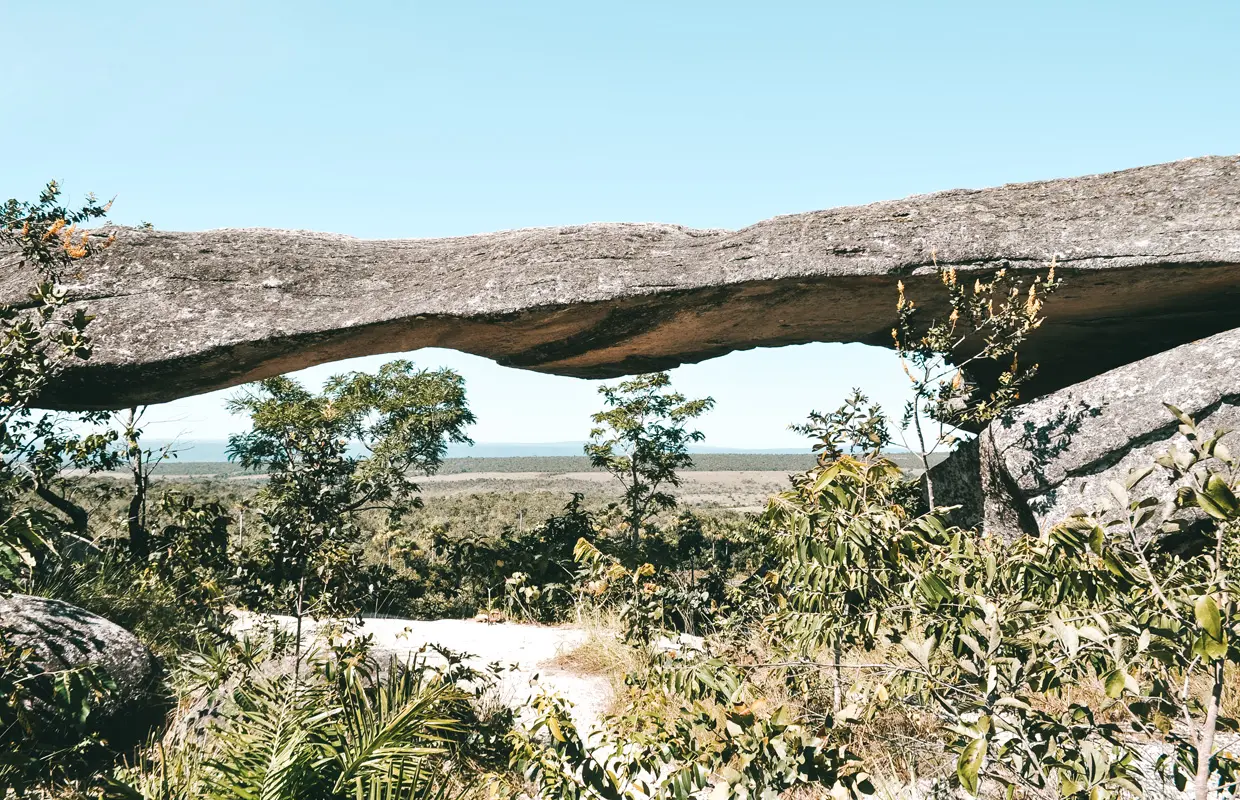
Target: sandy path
x,y
527,647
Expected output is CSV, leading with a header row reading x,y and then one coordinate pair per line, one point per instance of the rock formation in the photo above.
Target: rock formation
x,y
1152,258
64,636
1032,468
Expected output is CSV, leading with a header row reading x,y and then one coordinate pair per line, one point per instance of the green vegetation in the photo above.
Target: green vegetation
x,y
641,439
964,369
309,507
753,655
354,728
46,733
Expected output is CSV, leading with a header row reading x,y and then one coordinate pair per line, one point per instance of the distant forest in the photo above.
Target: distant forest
x,y
705,462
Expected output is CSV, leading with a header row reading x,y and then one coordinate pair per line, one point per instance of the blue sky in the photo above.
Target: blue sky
x,y
383,119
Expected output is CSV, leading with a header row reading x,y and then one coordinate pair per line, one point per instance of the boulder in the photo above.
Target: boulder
x,y
1047,458
1152,258
64,636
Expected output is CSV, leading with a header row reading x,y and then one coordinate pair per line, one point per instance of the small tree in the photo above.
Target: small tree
x,y
642,438
52,446
37,340
837,533
948,361
41,710
141,462
332,455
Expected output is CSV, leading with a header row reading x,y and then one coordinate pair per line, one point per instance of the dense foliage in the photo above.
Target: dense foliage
x,y
318,484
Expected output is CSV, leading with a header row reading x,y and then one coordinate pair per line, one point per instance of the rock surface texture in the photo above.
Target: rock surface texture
x,y
64,636
1152,258
1056,454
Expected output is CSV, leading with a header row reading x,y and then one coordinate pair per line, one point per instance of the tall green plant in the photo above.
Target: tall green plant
x,y
37,340
642,438
330,456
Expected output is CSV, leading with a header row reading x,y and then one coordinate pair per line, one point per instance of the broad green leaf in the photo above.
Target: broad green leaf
x,y
1209,648
1093,634
1136,476
1115,684
934,589
921,651
970,764
1207,504
1217,490
554,725
1067,635
1206,611
1119,492
1097,539
1012,702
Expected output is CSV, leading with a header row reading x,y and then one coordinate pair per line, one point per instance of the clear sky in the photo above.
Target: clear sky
x,y
387,119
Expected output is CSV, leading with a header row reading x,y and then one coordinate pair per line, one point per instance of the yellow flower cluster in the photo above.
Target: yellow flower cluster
x,y
75,246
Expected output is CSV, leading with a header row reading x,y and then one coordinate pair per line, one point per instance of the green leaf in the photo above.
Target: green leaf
x,y
1206,611
1067,634
1097,539
1216,489
554,725
1136,476
934,589
1092,633
920,650
1013,702
1115,684
970,764
1209,648
1119,492
1207,504
1180,415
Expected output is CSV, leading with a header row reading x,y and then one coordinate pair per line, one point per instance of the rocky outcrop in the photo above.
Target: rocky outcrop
x,y
1152,257
64,637
1054,455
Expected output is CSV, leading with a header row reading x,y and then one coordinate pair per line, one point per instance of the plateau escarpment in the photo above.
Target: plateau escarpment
x,y
1151,257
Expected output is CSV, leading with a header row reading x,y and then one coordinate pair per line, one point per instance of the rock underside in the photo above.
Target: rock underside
x,y
1151,257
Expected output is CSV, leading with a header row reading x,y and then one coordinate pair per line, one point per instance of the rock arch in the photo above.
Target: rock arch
x,y
1152,257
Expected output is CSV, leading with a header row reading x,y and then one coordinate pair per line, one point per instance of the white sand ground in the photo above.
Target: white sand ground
x,y
527,648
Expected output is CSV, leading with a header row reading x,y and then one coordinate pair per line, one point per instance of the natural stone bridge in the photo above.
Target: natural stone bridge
x,y
1151,257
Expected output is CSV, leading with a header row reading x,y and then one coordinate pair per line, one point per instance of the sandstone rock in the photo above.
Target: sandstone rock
x,y
1056,454
64,636
1152,256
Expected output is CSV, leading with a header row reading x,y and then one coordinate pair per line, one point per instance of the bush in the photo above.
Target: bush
x,y
351,727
